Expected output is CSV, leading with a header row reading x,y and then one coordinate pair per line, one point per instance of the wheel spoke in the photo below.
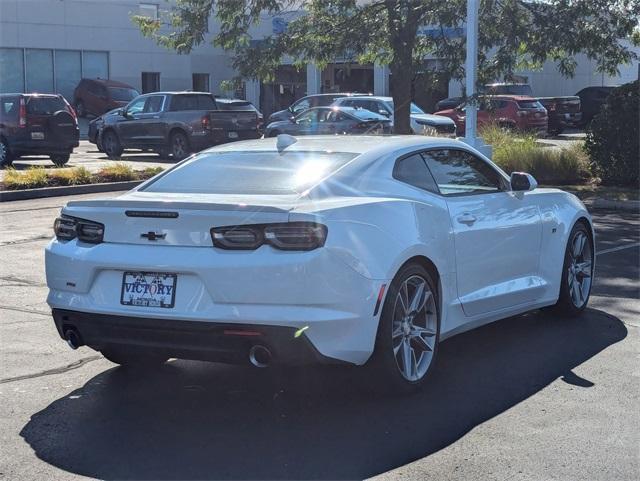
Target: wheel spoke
x,y
576,293
584,268
578,245
417,302
397,330
403,295
421,340
406,358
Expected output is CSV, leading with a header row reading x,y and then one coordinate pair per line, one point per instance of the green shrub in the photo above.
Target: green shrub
x,y
73,176
613,138
148,172
521,153
117,172
28,179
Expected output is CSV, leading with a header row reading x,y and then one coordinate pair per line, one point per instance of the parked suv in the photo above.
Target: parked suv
x,y
174,123
37,124
512,112
592,99
97,96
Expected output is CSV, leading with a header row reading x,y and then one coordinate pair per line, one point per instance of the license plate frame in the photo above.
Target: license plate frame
x,y
232,134
146,298
37,135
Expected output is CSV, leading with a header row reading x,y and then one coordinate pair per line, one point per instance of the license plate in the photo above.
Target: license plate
x,y
37,135
148,289
233,135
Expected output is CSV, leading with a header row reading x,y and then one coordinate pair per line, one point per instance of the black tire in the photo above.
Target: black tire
x,y
81,111
384,366
134,358
566,304
179,144
60,159
6,157
111,145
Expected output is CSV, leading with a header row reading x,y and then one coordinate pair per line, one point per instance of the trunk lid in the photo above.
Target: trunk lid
x,y
178,219
233,120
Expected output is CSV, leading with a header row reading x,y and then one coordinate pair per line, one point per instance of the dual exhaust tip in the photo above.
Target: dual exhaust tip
x,y
259,356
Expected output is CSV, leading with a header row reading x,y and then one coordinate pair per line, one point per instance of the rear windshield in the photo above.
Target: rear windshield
x,y
123,94
526,104
257,173
45,105
192,102
366,114
235,106
513,89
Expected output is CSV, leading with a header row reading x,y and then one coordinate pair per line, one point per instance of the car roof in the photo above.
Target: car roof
x,y
511,97
372,97
108,82
30,94
357,144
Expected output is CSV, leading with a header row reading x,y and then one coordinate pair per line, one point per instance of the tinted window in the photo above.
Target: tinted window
x,y
309,117
264,172
248,106
300,105
529,104
153,104
458,172
122,94
9,107
192,102
413,171
45,105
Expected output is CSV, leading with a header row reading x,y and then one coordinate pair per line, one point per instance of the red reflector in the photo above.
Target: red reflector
x,y
230,332
379,301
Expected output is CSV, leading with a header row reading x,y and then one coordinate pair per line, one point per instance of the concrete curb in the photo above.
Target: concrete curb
x,y
626,205
10,195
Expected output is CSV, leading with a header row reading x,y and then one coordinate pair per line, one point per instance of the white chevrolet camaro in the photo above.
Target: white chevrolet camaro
x,y
355,250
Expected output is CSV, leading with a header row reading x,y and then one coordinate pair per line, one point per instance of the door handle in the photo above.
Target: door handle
x,y
467,218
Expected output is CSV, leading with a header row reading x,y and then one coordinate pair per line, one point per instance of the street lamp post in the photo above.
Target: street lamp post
x,y
470,70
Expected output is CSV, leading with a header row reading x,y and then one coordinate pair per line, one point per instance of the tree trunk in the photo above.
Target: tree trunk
x,y
402,75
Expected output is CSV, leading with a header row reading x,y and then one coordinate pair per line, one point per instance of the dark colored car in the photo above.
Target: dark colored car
x,y
331,120
97,96
450,103
37,124
95,125
174,123
591,101
239,104
563,112
310,101
513,112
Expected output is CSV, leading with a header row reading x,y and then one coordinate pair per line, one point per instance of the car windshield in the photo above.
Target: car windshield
x,y
252,173
529,104
414,108
366,114
510,89
123,94
236,106
45,105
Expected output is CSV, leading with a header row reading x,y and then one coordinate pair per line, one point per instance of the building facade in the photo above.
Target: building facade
x,y
49,45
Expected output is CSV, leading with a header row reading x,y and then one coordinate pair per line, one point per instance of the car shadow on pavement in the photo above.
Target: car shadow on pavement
x,y
191,420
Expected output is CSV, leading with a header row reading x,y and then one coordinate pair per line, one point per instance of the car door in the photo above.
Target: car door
x,y
128,126
150,126
306,123
497,233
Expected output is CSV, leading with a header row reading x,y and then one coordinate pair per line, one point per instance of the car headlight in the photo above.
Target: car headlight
x,y
67,228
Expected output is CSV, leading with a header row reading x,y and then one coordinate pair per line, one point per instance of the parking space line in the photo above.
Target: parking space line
x,y
619,248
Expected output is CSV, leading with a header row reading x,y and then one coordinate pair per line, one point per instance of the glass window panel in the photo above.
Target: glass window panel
x,y
68,72
95,64
39,70
11,70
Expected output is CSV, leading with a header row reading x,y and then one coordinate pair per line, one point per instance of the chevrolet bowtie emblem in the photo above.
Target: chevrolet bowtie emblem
x,y
153,236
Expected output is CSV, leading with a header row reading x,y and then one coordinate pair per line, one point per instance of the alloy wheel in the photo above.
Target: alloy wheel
x,y
580,269
179,147
3,153
414,328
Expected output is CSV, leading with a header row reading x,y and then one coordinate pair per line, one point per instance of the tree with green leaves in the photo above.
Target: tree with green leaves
x,y
513,34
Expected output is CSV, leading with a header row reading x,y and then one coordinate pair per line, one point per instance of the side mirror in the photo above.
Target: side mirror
x,y
386,113
522,182
120,112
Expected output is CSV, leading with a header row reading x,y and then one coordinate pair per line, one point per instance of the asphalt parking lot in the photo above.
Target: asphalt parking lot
x,y
533,397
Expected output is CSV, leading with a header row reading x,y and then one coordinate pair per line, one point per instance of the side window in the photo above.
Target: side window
x,y
136,106
184,102
9,107
348,103
458,172
302,104
153,104
308,117
413,171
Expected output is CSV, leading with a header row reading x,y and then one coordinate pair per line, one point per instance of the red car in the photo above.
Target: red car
x,y
97,96
514,112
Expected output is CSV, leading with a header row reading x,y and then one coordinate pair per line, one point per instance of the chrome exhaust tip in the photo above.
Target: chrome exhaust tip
x,y
259,356
73,338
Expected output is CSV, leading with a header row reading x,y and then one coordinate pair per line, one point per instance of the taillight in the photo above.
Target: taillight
x,y
22,113
294,236
205,122
69,108
68,228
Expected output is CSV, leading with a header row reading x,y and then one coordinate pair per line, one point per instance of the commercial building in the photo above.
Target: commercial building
x,y
49,45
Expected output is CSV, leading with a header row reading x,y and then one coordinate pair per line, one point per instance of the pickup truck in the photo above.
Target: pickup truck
x,y
174,123
562,112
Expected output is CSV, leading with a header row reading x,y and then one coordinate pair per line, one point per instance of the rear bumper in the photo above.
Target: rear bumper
x,y
206,341
43,147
